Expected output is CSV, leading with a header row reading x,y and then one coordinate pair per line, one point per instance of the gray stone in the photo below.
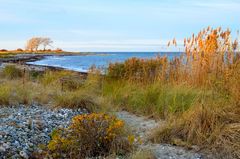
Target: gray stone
x,y
23,154
2,149
34,125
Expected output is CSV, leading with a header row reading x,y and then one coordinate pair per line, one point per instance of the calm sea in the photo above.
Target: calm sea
x,y
82,63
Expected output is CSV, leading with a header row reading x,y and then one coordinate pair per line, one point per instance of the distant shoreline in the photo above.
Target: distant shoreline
x,y
21,59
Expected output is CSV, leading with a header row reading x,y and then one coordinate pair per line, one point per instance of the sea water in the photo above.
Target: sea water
x,y
82,63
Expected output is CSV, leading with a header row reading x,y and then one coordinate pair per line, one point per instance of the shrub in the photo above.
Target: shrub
x,y
3,50
19,49
90,135
59,50
12,72
141,70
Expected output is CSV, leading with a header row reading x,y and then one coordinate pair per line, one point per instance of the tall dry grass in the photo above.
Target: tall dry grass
x,y
211,64
209,57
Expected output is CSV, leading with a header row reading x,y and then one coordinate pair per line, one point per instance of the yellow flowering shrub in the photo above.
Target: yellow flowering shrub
x,y
91,135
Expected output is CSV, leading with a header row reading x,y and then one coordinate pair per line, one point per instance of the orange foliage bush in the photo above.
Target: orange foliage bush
x,y
90,135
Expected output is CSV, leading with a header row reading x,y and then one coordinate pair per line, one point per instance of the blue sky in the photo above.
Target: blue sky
x,y
112,25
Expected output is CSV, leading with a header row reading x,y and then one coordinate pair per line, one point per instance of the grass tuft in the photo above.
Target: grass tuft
x,y
12,72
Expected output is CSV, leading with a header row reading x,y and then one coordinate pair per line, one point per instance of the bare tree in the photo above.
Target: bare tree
x,y
46,42
30,44
35,42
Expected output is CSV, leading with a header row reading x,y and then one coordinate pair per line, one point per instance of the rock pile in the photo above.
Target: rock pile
x,y
24,128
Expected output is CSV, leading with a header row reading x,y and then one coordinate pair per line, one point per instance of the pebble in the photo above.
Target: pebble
x,y
24,128
23,154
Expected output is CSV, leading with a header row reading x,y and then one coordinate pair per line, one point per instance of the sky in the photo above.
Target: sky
x,y
112,25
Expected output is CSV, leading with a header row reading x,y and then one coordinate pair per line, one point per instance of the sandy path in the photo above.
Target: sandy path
x,y
142,127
